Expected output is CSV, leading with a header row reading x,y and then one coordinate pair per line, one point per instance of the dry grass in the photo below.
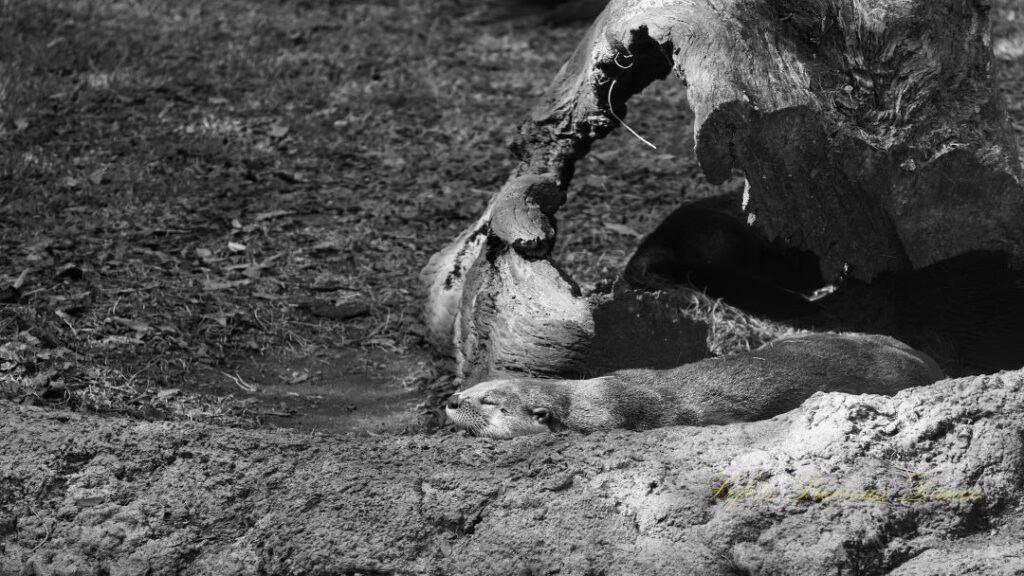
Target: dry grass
x,y
731,330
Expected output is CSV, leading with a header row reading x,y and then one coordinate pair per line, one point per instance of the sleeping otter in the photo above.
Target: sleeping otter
x,y
759,384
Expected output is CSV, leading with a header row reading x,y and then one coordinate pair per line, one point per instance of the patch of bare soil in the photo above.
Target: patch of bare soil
x,y
924,483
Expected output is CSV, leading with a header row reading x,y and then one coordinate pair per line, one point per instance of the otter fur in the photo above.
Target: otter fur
x,y
706,245
754,385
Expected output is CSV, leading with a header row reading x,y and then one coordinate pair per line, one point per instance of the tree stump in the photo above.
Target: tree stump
x,y
868,133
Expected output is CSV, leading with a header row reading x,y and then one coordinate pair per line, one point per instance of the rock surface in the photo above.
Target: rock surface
x,y
85,494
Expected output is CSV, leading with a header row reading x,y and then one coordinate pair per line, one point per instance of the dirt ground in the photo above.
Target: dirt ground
x,y
106,496
217,210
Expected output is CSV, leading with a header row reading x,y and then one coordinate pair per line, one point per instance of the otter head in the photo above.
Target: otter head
x,y
507,408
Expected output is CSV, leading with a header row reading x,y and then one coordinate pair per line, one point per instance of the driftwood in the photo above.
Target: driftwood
x,y
869,133
90,495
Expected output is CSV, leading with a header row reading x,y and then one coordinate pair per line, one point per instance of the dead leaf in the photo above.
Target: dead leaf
x,y
622,229
135,325
272,214
266,296
165,394
221,319
383,342
212,285
120,341
42,379
20,281
604,156
325,247
278,413
298,377
98,176
89,501
278,131
394,162
236,247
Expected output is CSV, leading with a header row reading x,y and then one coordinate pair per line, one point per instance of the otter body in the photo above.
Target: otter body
x,y
704,245
759,384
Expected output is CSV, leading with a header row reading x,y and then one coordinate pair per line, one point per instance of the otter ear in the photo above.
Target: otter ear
x,y
542,415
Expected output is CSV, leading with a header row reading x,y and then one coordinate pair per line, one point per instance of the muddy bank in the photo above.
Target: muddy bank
x,y
90,495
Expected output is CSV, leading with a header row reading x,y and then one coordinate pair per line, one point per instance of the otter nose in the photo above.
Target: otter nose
x,y
453,401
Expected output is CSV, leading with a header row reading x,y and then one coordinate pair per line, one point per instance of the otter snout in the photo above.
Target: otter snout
x,y
453,401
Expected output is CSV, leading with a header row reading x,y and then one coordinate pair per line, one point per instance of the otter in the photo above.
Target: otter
x,y
706,244
753,385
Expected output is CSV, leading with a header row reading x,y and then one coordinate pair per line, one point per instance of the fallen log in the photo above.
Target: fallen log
x,y
926,482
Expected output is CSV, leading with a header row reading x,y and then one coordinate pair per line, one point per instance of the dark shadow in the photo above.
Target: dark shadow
x,y
966,312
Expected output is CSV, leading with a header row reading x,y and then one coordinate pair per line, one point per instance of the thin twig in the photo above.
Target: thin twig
x,y
611,110
49,531
241,383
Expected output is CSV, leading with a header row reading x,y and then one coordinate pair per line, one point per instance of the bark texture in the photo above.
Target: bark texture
x,y
519,316
90,495
869,133
858,125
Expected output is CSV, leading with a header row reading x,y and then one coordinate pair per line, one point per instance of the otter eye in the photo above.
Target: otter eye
x,y
542,415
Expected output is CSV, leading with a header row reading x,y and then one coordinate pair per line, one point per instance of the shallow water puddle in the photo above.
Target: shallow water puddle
x,y
349,392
